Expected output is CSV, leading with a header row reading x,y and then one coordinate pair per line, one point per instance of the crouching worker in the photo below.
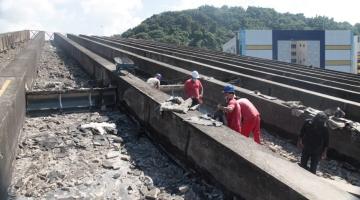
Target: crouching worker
x,y
154,81
250,121
232,110
314,141
193,89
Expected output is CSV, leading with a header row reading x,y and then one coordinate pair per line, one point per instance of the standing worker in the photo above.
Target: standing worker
x,y
232,110
154,81
314,141
250,119
193,88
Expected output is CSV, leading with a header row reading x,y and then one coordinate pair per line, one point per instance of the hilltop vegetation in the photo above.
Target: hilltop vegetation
x,y
210,27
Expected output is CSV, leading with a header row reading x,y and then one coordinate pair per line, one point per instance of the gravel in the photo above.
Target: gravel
x,y
56,71
57,159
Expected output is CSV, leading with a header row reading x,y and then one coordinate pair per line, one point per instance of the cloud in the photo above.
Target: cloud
x,y
108,17
100,17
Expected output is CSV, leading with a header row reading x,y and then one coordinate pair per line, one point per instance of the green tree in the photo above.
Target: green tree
x,y
210,27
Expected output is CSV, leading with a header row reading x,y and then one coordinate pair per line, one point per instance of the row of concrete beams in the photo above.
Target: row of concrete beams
x,y
13,79
256,60
8,40
327,80
346,91
273,113
279,90
221,154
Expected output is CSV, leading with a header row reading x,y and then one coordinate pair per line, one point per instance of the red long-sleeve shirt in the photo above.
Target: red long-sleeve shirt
x,y
234,117
193,88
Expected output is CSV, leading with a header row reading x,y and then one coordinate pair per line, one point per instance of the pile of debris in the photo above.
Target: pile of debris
x,y
57,71
177,104
97,156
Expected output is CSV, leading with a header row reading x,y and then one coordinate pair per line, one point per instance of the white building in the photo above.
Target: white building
x,y
329,49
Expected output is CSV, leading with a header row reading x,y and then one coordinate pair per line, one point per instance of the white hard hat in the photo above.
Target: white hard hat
x,y
195,75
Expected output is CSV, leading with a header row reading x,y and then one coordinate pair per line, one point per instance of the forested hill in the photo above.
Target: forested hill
x,y
211,27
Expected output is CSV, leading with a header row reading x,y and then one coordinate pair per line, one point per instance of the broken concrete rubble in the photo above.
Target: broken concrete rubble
x,y
204,120
100,128
58,72
51,163
176,104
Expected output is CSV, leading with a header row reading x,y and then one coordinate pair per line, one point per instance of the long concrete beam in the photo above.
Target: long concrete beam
x,y
273,112
282,91
13,79
282,74
238,164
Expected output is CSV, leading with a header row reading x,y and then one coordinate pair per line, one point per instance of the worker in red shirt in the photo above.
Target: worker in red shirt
x,y
250,119
232,110
193,88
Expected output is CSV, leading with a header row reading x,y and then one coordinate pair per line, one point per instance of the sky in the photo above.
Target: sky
x,y
109,17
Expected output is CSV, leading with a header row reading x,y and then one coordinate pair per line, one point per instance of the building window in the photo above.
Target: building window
x,y
293,53
293,46
293,60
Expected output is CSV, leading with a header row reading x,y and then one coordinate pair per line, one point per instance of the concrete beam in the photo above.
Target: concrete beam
x,y
238,164
13,78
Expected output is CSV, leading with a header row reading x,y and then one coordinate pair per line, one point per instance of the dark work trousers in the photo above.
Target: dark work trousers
x,y
314,157
195,102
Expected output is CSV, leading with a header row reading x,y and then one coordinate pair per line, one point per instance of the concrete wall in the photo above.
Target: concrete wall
x,y
284,51
355,50
339,50
230,46
267,54
218,153
313,53
13,79
258,37
7,40
258,43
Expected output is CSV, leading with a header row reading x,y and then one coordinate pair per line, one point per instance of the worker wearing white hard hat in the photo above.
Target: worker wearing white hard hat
x,y
155,81
193,88
195,75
